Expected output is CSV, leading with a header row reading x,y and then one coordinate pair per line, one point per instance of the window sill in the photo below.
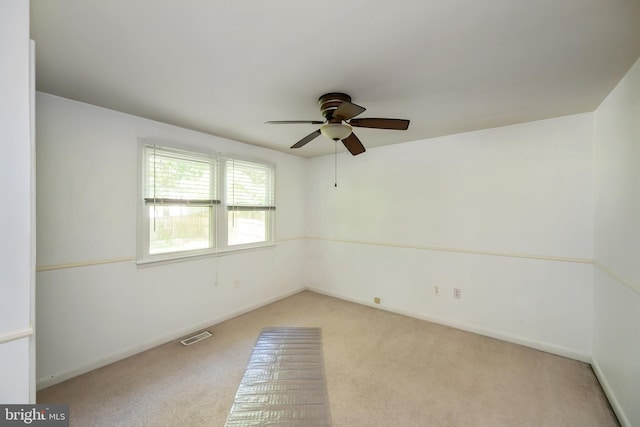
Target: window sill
x,y
145,263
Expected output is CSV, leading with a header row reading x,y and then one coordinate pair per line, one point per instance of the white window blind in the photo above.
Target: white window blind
x,y
175,177
250,186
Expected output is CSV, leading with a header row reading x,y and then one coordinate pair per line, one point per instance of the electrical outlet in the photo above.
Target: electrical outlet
x,y
436,290
376,300
457,293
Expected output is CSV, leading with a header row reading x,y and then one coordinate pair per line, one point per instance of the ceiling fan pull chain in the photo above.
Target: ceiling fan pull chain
x,y
335,162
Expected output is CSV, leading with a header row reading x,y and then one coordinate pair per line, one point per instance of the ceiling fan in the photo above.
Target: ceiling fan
x,y
339,114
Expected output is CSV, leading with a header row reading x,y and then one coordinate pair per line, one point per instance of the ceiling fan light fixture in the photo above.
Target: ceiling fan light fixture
x,y
336,131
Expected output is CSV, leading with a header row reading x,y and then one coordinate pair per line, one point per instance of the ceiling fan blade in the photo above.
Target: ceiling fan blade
x,y
353,144
290,122
395,124
347,110
306,139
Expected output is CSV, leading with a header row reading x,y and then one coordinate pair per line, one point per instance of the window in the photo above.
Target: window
x,y
196,204
249,202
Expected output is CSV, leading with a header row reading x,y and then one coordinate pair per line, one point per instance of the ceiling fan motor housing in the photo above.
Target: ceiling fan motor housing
x,y
329,102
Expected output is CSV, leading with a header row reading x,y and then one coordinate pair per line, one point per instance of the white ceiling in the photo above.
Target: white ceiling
x,y
226,67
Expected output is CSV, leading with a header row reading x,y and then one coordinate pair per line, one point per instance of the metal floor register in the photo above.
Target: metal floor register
x,y
284,383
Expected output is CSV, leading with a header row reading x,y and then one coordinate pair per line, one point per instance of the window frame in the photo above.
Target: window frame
x,y
218,218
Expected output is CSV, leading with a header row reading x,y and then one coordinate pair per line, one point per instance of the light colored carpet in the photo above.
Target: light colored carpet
x,y
382,369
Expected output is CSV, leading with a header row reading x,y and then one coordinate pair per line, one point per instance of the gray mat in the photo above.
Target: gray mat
x,y
284,383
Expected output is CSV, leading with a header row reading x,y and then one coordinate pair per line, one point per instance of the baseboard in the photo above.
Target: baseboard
x,y
42,383
608,391
537,345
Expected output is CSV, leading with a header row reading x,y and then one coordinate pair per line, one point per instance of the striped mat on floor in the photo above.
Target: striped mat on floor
x,y
284,383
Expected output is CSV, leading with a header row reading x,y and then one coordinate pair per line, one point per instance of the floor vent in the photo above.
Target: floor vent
x,y
194,339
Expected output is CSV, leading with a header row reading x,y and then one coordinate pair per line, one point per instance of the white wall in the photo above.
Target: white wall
x,y
16,229
616,343
94,304
505,214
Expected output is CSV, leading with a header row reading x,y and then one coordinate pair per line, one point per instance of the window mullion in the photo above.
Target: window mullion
x,y
213,217
221,226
